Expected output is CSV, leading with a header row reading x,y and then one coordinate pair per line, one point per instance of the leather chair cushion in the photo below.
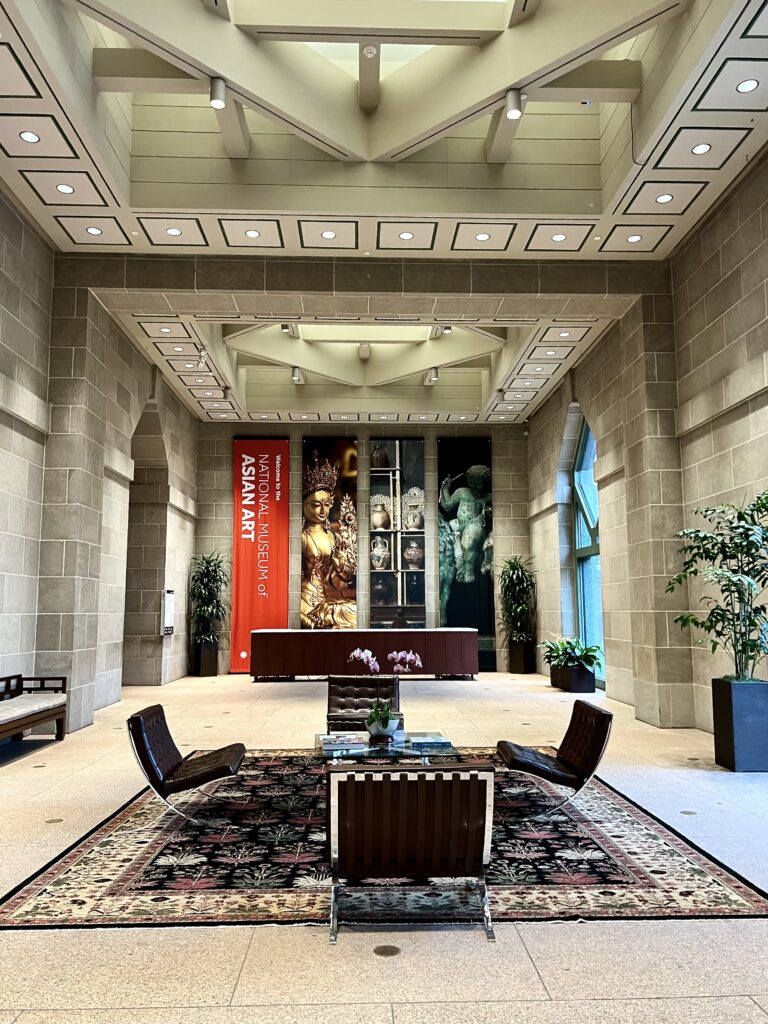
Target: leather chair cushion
x,y
535,762
196,771
354,693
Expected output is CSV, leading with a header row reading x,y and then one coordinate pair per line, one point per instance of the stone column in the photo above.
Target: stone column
x,y
70,550
663,679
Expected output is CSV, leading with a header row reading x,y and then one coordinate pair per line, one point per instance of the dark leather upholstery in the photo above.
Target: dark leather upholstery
x,y
350,699
166,771
429,822
577,756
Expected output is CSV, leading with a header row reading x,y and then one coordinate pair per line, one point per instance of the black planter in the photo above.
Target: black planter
x,y
522,656
574,680
741,724
205,659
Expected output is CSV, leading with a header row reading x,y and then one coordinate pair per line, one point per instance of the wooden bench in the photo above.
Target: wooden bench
x,y
26,701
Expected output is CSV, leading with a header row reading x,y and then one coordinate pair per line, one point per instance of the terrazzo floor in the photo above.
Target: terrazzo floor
x,y
654,972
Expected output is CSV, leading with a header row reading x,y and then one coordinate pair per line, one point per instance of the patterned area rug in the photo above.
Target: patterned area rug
x,y
258,856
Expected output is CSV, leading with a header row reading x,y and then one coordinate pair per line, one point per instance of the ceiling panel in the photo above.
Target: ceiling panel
x,y
406,234
248,233
46,139
670,198
563,237
173,231
478,237
64,188
93,230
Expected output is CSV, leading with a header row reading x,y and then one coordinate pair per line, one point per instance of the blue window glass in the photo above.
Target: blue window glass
x,y
587,545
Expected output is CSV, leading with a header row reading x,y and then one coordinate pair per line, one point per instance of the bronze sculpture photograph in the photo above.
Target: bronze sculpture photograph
x,y
328,541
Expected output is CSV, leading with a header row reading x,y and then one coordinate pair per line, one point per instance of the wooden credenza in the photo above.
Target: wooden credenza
x,y
281,653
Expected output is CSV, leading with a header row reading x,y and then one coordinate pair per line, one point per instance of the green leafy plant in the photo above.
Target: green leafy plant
x,y
517,596
208,578
570,652
381,712
733,556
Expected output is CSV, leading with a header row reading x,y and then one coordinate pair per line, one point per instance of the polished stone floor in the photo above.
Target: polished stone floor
x,y
642,972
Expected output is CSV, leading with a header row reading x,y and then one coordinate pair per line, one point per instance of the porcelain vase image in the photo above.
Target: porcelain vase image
x,y
380,518
381,557
414,555
413,520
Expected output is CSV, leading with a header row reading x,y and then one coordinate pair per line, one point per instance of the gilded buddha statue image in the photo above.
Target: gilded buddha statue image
x,y
328,551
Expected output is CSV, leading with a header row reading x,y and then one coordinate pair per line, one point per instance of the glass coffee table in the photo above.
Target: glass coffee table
x,y
358,746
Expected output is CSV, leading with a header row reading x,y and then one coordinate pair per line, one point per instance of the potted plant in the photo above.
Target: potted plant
x,y
572,664
517,596
208,578
733,557
381,723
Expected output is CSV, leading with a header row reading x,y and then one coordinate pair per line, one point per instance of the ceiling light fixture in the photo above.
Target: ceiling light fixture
x,y
537,369
218,93
447,329
178,348
252,233
328,235
518,396
422,417
93,231
370,51
30,137
527,383
198,380
297,377
208,394
432,376
174,232
406,235
664,198
598,238
216,405
513,105
701,148
223,415
559,237
264,416
482,237
634,238
189,366
502,417
285,328
551,352
462,417
565,334
66,190
749,85
165,330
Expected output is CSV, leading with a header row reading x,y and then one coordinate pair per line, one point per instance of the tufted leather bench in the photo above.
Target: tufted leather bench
x,y
26,701
350,699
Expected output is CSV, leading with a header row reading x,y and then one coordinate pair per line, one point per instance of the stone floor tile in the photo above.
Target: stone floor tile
x,y
120,967
598,959
728,1010
314,1014
298,965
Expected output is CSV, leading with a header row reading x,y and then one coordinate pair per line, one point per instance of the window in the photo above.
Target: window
x,y
589,604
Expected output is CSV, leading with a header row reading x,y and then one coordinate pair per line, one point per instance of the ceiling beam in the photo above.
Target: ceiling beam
x,y
369,76
433,22
311,96
233,126
220,7
116,69
463,85
519,10
501,134
601,81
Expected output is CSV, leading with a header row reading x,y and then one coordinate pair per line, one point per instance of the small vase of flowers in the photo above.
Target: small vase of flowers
x,y
382,721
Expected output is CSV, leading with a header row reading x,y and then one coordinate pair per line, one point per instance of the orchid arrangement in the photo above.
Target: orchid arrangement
x,y
367,658
404,661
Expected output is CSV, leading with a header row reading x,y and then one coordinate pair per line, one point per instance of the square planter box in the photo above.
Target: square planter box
x,y
205,659
522,657
741,724
574,680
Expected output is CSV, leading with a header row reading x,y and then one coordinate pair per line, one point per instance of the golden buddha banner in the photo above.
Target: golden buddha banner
x,y
260,539
329,533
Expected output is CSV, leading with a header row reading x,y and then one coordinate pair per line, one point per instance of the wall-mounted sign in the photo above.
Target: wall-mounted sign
x,y
168,612
259,543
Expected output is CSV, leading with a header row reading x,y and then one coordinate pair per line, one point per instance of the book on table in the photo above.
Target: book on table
x,y
430,740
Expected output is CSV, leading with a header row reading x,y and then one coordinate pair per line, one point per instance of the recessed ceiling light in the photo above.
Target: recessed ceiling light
x,y
189,366
422,417
565,334
527,383
406,235
518,396
29,137
178,348
93,231
264,416
165,330
251,233
598,237
749,85
483,236
502,417
223,415
634,238
198,380
303,417
664,198
208,394
462,417
537,369
701,148
559,237
329,235
66,190
344,417
551,352
510,407
175,232
216,405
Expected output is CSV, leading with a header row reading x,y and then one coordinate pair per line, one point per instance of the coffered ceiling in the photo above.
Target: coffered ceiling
x,y
378,127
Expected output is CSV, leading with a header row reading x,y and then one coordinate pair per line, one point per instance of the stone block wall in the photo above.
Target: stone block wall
x,y
720,278
26,273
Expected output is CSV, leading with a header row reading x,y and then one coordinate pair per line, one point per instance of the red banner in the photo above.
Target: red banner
x,y
259,543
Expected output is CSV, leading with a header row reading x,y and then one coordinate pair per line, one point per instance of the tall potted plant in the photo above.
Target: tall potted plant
x,y
517,597
208,578
733,557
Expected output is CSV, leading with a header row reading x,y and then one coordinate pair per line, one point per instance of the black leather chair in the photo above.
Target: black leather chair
x,y
577,758
410,822
166,771
350,699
